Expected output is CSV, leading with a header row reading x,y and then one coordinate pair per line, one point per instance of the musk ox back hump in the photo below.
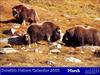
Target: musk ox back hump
x,y
35,33
49,27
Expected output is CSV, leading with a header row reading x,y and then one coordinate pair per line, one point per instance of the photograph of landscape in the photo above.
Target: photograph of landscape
x,y
32,35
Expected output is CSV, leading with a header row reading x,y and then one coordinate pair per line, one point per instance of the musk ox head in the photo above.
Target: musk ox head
x,y
56,35
26,39
17,10
68,37
21,13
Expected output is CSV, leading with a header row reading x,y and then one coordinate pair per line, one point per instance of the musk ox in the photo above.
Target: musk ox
x,y
22,14
80,35
47,31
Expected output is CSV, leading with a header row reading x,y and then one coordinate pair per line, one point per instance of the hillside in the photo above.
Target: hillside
x,y
66,14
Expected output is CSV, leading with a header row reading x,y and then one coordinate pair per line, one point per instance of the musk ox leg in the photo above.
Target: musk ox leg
x,y
28,40
23,23
48,39
36,17
61,38
81,43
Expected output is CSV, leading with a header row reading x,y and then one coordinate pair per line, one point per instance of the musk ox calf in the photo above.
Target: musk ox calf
x,y
22,14
80,35
47,31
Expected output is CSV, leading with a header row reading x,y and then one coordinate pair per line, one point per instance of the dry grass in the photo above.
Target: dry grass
x,y
66,14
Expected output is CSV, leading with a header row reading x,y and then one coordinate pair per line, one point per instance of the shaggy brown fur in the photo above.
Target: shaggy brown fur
x,y
78,36
21,13
47,31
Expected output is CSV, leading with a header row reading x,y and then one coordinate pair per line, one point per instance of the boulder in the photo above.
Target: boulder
x,y
7,50
73,59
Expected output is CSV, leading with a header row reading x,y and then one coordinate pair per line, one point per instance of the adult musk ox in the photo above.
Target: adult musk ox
x,y
22,14
47,31
80,35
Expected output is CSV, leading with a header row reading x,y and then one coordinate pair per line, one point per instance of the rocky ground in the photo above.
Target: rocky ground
x,y
66,14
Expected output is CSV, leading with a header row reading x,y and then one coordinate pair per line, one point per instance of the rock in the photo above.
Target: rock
x,y
23,48
94,48
7,50
90,48
15,40
37,50
72,52
49,62
97,19
4,40
66,15
97,53
7,46
55,51
72,59
58,46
